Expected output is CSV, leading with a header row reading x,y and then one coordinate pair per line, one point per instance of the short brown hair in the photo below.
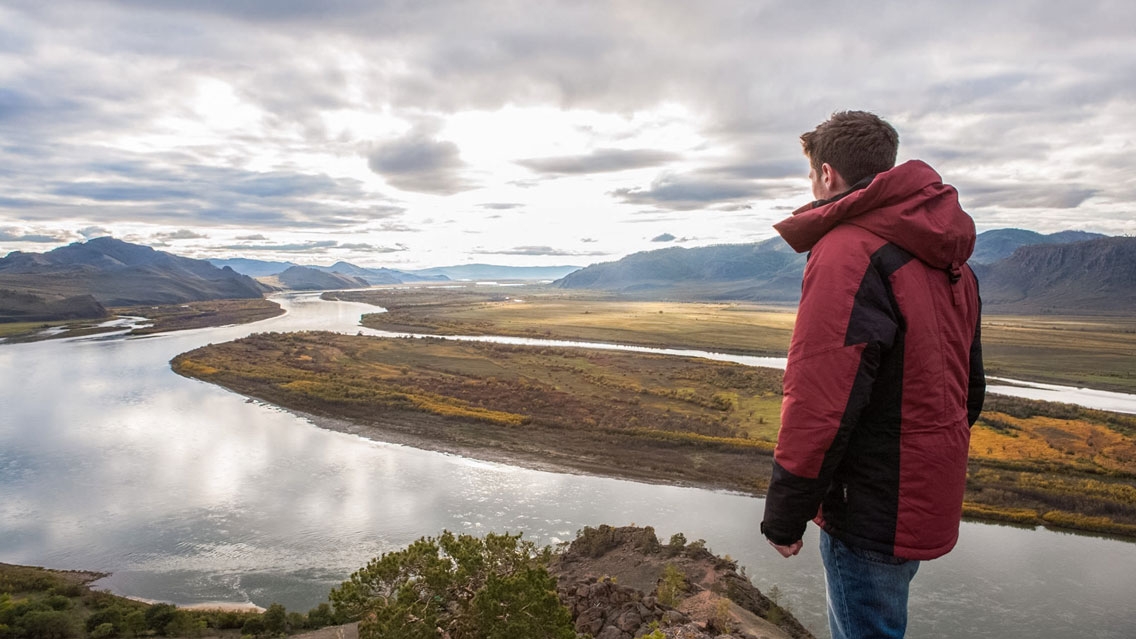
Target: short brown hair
x,y
857,144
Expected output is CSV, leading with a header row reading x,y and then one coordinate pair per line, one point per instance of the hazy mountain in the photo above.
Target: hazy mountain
x,y
1097,276
306,278
117,273
373,276
766,271
253,268
484,272
999,244
379,275
1051,276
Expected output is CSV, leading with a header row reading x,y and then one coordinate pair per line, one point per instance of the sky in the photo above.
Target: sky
x,y
410,134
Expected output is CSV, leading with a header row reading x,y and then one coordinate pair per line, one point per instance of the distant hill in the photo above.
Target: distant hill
x,y
252,268
17,306
766,271
1052,276
380,275
264,268
484,272
115,273
306,278
1097,276
998,244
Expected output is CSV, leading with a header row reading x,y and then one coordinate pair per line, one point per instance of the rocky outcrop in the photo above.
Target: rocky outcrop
x,y
604,609
622,583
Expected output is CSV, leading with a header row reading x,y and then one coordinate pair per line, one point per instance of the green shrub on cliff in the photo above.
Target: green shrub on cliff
x,y
459,586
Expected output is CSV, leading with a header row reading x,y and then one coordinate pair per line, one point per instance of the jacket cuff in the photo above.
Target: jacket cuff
x,y
779,539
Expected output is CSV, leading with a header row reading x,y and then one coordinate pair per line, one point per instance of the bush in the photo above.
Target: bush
x,y
253,627
113,616
47,624
158,616
463,587
58,602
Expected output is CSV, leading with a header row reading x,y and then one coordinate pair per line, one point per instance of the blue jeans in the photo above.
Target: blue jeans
x,y
866,590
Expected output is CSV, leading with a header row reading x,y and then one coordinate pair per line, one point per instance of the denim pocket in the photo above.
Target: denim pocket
x,y
876,556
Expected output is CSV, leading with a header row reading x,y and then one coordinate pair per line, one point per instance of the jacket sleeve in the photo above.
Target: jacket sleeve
x,y
846,321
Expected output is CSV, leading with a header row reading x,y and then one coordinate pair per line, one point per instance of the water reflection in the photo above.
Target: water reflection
x,y
190,493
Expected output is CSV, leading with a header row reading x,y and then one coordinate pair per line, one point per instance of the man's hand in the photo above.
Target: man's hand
x,y
787,551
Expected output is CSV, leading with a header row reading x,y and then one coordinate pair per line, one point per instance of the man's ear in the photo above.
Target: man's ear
x,y
832,179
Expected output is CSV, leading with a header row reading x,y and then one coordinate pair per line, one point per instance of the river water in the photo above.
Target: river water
x,y
189,493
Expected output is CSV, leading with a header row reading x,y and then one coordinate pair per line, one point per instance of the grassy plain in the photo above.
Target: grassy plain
x,y
1094,352
655,418
635,415
164,318
544,313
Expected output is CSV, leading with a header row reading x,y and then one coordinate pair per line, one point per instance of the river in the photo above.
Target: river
x,y
189,493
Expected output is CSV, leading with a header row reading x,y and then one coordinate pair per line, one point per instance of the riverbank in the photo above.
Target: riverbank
x,y
147,320
651,418
1093,352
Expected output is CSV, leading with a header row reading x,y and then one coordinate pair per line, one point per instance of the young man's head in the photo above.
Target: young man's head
x,y
846,148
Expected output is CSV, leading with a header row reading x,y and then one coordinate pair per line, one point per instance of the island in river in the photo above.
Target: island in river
x,y
652,418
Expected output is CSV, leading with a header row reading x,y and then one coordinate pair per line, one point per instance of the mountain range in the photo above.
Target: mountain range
x,y
382,276
64,282
1019,272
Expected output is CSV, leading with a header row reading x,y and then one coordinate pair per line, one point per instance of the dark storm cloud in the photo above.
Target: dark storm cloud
x,y
599,161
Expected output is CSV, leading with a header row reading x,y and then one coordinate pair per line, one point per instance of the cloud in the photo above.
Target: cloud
x,y
19,235
252,238
418,162
501,206
89,232
599,161
259,115
181,234
164,189
688,192
1024,196
665,237
538,251
296,247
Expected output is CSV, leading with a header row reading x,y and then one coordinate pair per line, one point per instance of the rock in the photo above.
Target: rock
x,y
629,621
611,632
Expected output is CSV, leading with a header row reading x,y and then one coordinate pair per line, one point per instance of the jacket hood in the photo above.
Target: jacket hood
x,y
908,206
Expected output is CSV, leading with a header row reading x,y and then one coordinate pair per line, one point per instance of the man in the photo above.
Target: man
x,y
884,378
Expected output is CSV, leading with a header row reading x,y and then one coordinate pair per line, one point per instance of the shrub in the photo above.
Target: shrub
x,y
158,616
671,586
464,587
47,624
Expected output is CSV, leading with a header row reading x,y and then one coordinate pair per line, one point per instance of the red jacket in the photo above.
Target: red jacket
x,y
884,377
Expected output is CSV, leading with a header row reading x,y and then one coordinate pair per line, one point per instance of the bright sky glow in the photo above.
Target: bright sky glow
x,y
540,133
